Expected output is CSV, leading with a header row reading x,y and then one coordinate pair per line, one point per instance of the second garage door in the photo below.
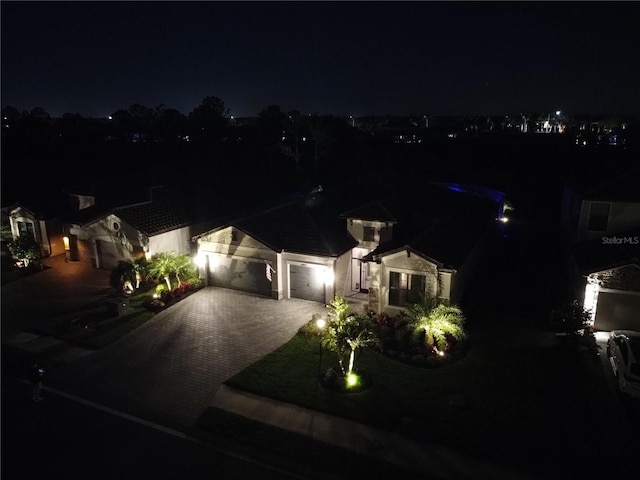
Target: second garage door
x,y
305,283
240,274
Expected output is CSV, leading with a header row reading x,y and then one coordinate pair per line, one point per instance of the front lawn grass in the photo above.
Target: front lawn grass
x,y
105,329
109,331
523,407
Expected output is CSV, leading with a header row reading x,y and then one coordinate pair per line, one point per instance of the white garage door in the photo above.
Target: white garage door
x,y
306,283
618,310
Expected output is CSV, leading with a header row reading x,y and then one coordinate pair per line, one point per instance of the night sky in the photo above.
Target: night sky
x,y
338,58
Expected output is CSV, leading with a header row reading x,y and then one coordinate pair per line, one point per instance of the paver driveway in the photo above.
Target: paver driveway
x,y
169,369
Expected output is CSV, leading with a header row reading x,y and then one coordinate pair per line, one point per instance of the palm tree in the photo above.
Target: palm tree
x,y
183,265
346,333
439,324
161,266
139,267
358,334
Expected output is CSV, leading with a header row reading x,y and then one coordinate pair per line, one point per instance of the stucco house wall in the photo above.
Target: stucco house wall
x,y
217,246
622,216
438,281
178,241
108,240
382,231
47,233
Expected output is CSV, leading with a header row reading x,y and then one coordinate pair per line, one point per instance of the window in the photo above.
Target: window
x,y
406,288
25,230
234,236
599,216
368,234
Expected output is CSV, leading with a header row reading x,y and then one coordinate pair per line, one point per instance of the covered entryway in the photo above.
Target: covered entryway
x,y
307,282
239,273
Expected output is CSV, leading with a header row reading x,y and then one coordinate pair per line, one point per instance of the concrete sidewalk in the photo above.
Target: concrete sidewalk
x,y
432,459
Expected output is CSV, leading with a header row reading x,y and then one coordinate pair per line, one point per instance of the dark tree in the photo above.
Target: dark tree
x,y
209,118
10,113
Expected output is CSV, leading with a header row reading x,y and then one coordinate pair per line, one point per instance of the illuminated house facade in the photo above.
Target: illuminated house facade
x,y
24,222
370,254
604,223
105,236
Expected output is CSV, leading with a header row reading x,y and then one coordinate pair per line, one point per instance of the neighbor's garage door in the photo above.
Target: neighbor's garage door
x,y
305,283
240,274
618,310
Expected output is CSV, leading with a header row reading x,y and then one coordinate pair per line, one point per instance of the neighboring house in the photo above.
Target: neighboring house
x,y
104,236
608,208
609,277
604,224
307,249
23,221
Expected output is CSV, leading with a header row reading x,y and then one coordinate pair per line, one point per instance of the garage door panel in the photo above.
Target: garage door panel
x,y
240,274
617,311
305,283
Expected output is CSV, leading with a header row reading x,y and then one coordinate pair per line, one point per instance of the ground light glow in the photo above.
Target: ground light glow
x,y
352,380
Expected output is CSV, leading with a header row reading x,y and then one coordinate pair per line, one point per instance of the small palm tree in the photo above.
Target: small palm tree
x,y
162,266
347,333
183,265
139,267
441,322
358,334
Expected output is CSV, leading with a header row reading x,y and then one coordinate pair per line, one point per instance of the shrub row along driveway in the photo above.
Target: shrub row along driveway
x,y
169,369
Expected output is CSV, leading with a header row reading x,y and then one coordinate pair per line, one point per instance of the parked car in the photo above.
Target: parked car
x,y
623,351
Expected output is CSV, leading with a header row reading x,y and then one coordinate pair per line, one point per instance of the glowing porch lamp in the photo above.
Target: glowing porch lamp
x,y
65,239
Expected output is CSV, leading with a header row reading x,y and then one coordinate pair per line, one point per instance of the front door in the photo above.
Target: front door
x,y
364,277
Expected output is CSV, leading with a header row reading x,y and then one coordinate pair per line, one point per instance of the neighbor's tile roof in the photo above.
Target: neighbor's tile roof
x,y
164,213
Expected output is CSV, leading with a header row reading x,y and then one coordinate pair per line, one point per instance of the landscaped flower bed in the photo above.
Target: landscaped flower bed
x,y
404,337
166,298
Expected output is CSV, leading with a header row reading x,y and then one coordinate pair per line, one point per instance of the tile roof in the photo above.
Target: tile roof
x,y
166,212
299,227
442,224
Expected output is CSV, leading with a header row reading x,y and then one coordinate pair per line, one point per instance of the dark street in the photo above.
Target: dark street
x,y
65,437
